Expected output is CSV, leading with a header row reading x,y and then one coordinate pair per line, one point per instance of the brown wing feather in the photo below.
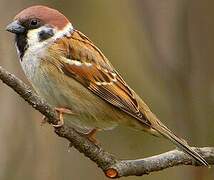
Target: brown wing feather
x,y
94,71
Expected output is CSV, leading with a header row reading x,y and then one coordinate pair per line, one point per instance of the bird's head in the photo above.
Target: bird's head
x,y
38,25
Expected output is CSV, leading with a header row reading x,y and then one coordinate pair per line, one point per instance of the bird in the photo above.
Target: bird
x,y
73,75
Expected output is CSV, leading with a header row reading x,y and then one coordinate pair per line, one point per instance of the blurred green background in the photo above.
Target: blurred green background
x,y
163,49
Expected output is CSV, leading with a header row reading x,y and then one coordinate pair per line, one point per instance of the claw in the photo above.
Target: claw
x,y
91,135
62,111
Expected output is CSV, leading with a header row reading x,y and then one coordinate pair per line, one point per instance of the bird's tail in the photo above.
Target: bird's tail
x,y
181,144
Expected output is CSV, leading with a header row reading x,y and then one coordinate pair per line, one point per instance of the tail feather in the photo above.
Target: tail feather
x,y
164,131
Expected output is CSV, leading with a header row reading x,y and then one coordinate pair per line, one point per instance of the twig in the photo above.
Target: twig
x,y
112,167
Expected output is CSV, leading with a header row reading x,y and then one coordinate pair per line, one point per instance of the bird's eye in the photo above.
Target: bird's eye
x,y
33,22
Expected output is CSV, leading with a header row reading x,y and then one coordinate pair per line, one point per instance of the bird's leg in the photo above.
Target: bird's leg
x,y
61,111
91,135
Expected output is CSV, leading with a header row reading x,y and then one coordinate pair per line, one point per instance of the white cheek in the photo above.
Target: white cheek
x,y
32,37
34,43
34,40
36,48
34,52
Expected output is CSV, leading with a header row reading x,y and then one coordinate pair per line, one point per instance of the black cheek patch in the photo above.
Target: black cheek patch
x,y
45,34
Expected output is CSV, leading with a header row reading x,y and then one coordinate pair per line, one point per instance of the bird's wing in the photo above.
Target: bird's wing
x,y
85,62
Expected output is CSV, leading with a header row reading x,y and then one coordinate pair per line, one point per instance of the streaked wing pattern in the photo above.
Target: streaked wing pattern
x,y
93,70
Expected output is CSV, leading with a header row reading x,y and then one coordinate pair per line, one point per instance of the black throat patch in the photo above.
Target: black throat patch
x,y
22,45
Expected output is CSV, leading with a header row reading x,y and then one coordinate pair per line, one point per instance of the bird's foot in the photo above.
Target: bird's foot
x,y
91,135
61,111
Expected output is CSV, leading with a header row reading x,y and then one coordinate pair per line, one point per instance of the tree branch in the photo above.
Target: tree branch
x,y
111,166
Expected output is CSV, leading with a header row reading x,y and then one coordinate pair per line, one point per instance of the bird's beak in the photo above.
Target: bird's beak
x,y
15,27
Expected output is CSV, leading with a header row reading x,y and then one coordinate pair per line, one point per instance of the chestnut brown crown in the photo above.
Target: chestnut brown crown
x,y
45,14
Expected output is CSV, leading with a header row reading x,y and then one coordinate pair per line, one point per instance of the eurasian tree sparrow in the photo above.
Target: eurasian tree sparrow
x,y
75,77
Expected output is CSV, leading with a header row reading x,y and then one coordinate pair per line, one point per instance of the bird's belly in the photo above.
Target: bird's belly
x,y
89,110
